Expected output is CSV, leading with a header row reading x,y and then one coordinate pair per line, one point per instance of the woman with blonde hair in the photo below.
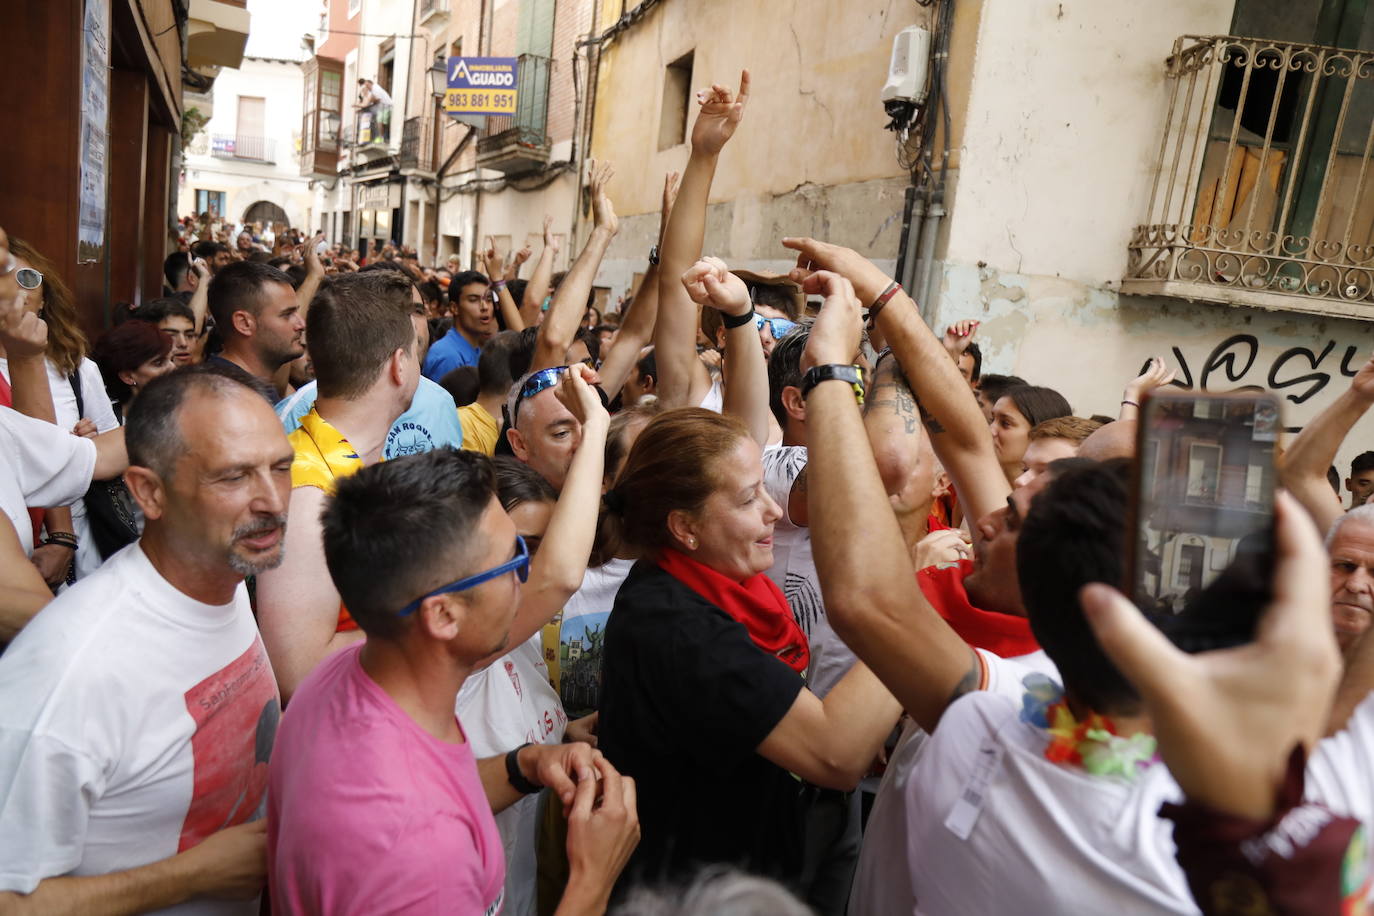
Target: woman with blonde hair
x,y
79,402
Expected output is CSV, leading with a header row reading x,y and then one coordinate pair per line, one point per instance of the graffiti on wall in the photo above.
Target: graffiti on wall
x,y
1297,374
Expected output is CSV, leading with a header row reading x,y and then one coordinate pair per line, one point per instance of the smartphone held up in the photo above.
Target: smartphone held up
x,y
1202,514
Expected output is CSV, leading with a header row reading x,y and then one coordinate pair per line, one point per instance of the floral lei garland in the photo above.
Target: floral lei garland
x,y
1092,744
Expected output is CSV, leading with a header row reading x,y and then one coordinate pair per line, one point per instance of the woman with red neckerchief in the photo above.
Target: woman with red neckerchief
x,y
703,698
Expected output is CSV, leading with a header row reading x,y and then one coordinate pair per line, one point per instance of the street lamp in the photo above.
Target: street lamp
x,y
438,77
330,123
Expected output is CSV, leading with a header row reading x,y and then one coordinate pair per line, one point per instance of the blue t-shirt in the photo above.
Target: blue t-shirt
x,y
448,353
431,421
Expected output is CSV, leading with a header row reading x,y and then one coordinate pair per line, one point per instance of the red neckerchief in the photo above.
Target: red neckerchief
x,y
35,515
757,602
1001,634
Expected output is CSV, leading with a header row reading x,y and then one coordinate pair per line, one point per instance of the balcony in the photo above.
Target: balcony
x,y
1263,193
371,133
433,13
216,33
520,143
417,145
247,149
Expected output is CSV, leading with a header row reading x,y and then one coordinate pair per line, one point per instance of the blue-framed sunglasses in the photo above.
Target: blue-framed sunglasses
x,y
540,381
520,564
778,327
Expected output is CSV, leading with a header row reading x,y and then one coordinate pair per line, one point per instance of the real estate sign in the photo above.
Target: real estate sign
x,y
481,85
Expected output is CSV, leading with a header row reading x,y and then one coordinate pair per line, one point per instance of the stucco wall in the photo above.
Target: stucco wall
x,y
1065,111
813,117
245,182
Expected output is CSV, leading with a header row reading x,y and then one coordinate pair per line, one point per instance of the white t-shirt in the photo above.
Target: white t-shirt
x,y
1043,837
505,705
40,465
882,879
714,400
794,571
134,722
581,632
380,95
100,412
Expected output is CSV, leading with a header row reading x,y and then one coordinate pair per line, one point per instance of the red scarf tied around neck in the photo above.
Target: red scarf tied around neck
x,y
757,602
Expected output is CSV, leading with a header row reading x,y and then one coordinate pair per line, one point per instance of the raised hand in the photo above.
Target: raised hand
x,y
710,283
670,185
1225,724
959,336
1156,375
201,268
1363,382
868,281
602,211
576,393
838,330
492,262
312,258
550,240
520,257
720,114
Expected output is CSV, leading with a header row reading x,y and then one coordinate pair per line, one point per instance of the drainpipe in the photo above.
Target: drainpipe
x,y
935,211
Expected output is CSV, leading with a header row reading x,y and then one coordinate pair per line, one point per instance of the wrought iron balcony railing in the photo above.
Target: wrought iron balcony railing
x,y
417,144
1264,192
515,143
237,146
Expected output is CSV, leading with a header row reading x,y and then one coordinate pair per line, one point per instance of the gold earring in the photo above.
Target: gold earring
x,y
692,543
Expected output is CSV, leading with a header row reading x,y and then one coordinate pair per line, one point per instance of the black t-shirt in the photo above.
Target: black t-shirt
x,y
686,700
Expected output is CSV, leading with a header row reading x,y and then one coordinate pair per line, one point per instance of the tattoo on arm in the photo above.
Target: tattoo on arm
x,y
891,392
970,682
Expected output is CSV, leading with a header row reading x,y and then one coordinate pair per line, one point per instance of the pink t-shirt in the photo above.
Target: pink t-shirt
x,y
367,813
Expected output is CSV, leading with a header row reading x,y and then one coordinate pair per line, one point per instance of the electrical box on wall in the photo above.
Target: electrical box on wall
x,y
906,75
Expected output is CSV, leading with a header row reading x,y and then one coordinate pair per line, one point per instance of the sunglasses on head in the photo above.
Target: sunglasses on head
x,y
519,564
28,278
540,381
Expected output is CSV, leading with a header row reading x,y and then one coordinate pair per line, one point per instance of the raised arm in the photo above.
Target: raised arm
x,y
1314,450
870,591
637,328
314,275
682,379
709,283
557,571
493,265
200,299
1155,375
538,287
298,605
957,429
570,302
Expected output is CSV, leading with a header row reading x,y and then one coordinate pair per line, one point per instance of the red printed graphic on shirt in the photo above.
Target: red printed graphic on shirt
x,y
236,711
514,678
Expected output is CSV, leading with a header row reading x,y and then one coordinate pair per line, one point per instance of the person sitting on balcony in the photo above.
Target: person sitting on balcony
x,y
375,100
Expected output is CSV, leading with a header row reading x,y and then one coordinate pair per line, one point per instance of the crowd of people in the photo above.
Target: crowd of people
x,y
337,584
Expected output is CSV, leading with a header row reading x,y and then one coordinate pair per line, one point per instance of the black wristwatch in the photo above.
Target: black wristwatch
x,y
517,778
851,375
653,255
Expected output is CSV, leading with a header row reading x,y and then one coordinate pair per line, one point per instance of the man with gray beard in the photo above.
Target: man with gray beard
x,y
138,710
